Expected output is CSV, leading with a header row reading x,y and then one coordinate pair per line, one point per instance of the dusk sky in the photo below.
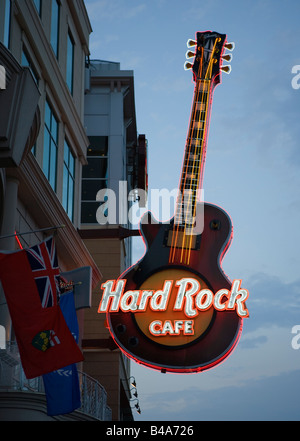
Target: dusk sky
x,y
252,171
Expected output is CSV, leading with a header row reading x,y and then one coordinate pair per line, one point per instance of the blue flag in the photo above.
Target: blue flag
x,y
62,386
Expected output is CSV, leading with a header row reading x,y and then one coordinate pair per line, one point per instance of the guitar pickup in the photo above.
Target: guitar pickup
x,y
180,239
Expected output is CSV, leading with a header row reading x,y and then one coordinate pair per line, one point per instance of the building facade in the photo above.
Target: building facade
x,y
114,179
43,50
68,141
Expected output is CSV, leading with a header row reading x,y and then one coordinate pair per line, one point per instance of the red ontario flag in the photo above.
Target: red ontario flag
x,y
30,282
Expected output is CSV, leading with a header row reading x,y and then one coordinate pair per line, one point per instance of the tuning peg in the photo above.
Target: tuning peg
x,y
191,43
226,69
187,65
189,54
230,46
227,57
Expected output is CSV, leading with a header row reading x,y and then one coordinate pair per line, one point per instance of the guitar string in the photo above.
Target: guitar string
x,y
185,251
195,145
178,211
207,82
201,155
191,206
202,149
187,160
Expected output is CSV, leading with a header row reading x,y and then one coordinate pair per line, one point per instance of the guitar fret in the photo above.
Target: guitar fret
x,y
194,138
191,160
189,188
190,200
204,86
199,124
191,185
191,164
190,171
197,133
198,120
187,203
194,158
190,147
193,149
189,195
200,106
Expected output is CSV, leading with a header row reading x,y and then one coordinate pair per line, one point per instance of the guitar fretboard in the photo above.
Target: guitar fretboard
x,y
194,156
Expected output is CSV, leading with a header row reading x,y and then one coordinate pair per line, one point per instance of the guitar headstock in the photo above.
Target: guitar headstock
x,y
208,56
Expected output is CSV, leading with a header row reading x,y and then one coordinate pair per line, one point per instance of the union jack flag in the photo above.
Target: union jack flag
x,y
43,261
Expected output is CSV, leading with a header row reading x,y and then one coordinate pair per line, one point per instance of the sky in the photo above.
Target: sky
x,y
252,171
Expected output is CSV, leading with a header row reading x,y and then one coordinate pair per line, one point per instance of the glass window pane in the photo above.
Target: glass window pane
x,y
7,14
72,164
90,189
24,60
70,63
98,146
66,154
88,212
50,146
68,181
37,4
55,27
54,128
70,198
46,152
52,170
47,116
96,168
65,188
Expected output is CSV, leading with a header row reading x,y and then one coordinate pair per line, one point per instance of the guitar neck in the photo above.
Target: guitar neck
x,y
194,155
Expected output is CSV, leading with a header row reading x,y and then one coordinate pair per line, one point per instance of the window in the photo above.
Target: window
x,y
68,181
54,39
50,146
38,4
26,61
94,177
70,63
7,14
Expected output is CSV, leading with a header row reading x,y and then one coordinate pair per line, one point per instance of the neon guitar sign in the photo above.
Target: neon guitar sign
x,y
180,313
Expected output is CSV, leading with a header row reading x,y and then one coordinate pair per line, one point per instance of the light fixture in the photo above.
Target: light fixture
x,y
136,406
133,383
134,393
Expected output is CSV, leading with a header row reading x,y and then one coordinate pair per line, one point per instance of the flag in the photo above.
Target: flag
x,y
29,280
62,386
81,280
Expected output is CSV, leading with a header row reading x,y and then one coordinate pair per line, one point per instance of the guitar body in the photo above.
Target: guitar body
x,y
215,332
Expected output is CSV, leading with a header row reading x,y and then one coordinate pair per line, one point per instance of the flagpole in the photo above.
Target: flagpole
x,y
32,232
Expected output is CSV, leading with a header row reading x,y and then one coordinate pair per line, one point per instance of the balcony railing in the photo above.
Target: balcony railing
x,y
12,377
